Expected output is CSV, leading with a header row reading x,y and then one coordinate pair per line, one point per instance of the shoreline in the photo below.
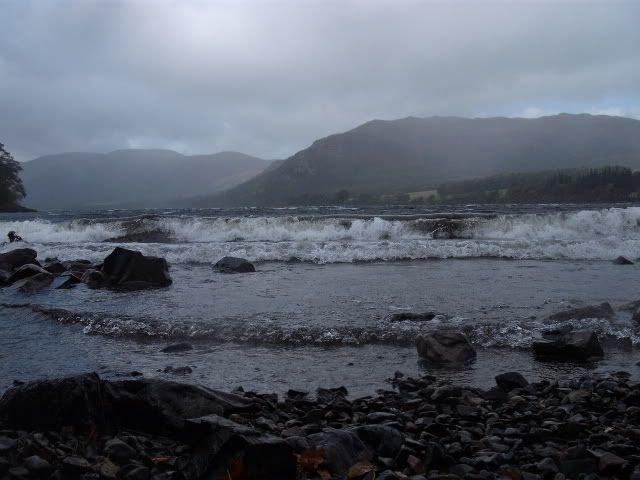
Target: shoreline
x,y
413,428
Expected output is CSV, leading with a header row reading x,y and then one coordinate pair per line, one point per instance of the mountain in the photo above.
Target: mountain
x,y
419,153
132,178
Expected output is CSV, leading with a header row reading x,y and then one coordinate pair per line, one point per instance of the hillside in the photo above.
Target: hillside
x,y
132,178
420,153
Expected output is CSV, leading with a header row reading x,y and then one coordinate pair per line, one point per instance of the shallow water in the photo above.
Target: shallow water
x,y
324,318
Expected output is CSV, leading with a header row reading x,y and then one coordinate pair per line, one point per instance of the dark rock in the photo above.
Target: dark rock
x,y
510,380
177,347
55,268
603,310
134,472
178,370
574,467
34,283
610,464
225,449
94,278
75,465
7,444
118,450
579,345
25,271
622,261
383,441
342,449
124,267
76,265
399,317
19,472
37,464
66,280
16,258
234,265
445,347
4,277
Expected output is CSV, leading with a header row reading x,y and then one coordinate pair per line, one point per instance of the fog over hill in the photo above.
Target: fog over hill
x,y
419,153
132,178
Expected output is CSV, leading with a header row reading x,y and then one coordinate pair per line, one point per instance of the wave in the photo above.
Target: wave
x,y
587,234
516,334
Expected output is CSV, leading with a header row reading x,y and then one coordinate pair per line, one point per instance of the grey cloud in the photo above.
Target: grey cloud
x,y
269,77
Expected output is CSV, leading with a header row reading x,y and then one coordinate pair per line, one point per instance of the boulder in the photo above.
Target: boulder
x,y
94,278
25,271
55,267
510,380
622,261
34,283
234,265
603,310
124,267
225,449
177,347
578,345
445,347
76,265
86,401
342,449
421,317
4,277
67,280
381,440
16,258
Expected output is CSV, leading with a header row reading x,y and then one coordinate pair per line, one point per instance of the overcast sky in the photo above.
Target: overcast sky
x,y
268,77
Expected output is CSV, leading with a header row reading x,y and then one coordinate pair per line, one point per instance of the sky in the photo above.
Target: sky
x,y
268,77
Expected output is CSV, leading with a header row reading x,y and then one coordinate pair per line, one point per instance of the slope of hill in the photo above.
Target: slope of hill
x,y
420,153
132,178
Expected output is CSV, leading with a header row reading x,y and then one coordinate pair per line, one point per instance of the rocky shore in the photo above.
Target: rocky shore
x,y
415,428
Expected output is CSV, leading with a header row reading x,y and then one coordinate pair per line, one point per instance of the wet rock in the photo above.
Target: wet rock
x,y
342,449
381,440
76,265
177,347
604,310
223,446
510,380
574,467
622,261
446,347
25,271
76,465
609,464
7,444
4,277
130,268
37,464
14,259
55,267
66,280
34,283
234,265
94,278
579,345
178,370
421,317
118,450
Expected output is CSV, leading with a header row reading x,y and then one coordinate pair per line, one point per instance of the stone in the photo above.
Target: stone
x,y
610,464
234,265
177,347
578,345
25,271
604,310
510,380
342,449
37,464
55,268
34,283
10,261
130,268
94,278
381,440
622,261
118,450
446,347
75,465
420,317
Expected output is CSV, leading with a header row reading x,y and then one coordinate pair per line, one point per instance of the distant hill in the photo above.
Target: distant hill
x,y
420,153
132,178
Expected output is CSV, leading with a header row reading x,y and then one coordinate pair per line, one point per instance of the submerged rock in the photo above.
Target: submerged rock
x,y
622,261
34,283
234,265
399,317
94,278
124,267
578,345
445,347
510,380
604,310
177,347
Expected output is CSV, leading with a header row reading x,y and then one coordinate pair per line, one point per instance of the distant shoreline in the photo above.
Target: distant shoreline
x,y
13,208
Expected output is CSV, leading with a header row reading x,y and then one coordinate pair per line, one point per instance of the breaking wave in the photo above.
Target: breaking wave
x,y
586,234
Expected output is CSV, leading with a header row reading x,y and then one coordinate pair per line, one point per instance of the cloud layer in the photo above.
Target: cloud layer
x,y
269,77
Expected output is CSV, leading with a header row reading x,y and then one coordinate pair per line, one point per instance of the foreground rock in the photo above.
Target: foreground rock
x,y
622,261
578,345
130,268
421,429
604,310
16,258
445,347
234,265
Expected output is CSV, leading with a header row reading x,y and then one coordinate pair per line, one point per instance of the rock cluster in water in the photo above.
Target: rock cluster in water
x,y
122,268
421,428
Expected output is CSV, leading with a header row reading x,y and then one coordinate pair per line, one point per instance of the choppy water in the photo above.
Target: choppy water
x,y
317,310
